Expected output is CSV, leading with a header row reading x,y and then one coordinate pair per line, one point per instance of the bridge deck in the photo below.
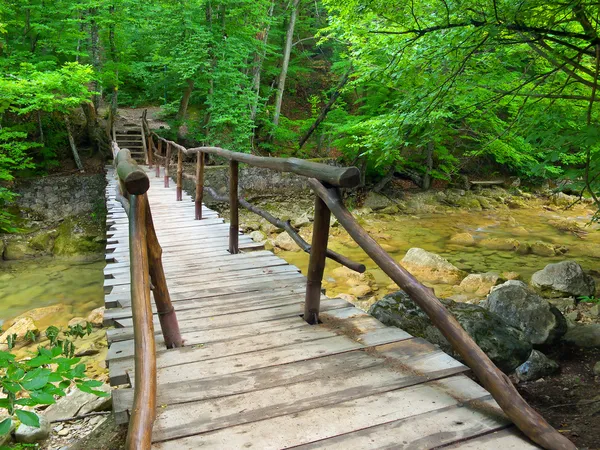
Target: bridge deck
x,y
254,374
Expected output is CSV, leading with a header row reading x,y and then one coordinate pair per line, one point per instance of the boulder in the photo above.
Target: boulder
x,y
28,435
77,321
479,283
16,250
96,317
46,314
505,345
43,241
464,239
511,275
522,308
1,249
563,279
537,366
587,335
596,369
430,267
350,277
376,201
20,328
511,245
542,248
349,298
285,242
303,221
392,209
258,236
360,290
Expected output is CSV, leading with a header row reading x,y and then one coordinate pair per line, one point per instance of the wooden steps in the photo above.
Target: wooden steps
x,y
254,374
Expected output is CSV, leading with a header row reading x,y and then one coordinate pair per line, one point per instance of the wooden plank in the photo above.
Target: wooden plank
x,y
424,431
180,278
300,371
327,421
508,439
263,358
226,302
207,336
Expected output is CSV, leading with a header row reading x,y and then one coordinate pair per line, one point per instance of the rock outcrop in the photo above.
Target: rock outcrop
x,y
505,345
522,308
563,279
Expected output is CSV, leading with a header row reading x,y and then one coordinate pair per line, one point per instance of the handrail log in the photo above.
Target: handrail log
x,y
139,435
287,227
164,308
497,383
135,179
336,176
234,217
199,185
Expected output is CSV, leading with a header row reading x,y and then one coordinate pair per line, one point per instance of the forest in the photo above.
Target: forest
x,y
426,90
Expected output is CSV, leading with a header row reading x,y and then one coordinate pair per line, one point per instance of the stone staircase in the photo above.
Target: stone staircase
x,y
129,135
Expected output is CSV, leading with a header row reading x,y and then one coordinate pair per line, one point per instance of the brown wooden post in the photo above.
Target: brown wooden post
x,y
316,264
143,412
167,162
234,227
159,151
164,308
179,194
150,150
199,184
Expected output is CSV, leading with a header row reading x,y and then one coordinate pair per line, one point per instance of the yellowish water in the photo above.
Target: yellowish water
x,y
40,282
432,232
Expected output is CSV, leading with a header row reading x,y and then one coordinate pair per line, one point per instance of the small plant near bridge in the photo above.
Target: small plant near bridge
x,y
39,380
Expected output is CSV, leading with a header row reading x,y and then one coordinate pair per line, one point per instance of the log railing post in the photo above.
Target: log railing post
x,y
150,150
179,175
234,227
164,308
316,264
199,184
139,435
159,151
167,161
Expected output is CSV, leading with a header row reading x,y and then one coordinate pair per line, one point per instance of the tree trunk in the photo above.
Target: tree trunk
x,y
95,54
286,61
39,118
327,108
185,99
72,143
429,166
258,62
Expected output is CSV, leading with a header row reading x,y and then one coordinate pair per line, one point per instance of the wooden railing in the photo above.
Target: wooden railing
x,y
326,182
146,271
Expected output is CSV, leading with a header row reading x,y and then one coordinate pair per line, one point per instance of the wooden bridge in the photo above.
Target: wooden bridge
x,y
234,364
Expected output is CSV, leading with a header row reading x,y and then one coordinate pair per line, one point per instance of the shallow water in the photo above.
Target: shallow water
x,y
432,232
40,282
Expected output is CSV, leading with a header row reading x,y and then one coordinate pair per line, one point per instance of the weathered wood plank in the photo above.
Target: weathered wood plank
x,y
327,421
509,439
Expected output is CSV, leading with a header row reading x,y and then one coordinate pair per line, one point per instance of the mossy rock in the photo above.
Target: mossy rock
x,y
43,241
77,238
504,344
18,249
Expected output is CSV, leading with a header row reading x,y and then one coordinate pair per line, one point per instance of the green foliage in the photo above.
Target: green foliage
x,y
589,299
37,381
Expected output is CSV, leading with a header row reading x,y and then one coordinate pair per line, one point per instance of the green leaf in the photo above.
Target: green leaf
x,y
11,387
42,398
5,426
6,356
28,418
38,361
36,379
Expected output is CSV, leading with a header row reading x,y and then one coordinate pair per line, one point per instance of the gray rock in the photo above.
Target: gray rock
x,y
303,221
427,266
28,435
376,201
596,369
76,403
506,346
522,308
563,279
584,335
537,366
